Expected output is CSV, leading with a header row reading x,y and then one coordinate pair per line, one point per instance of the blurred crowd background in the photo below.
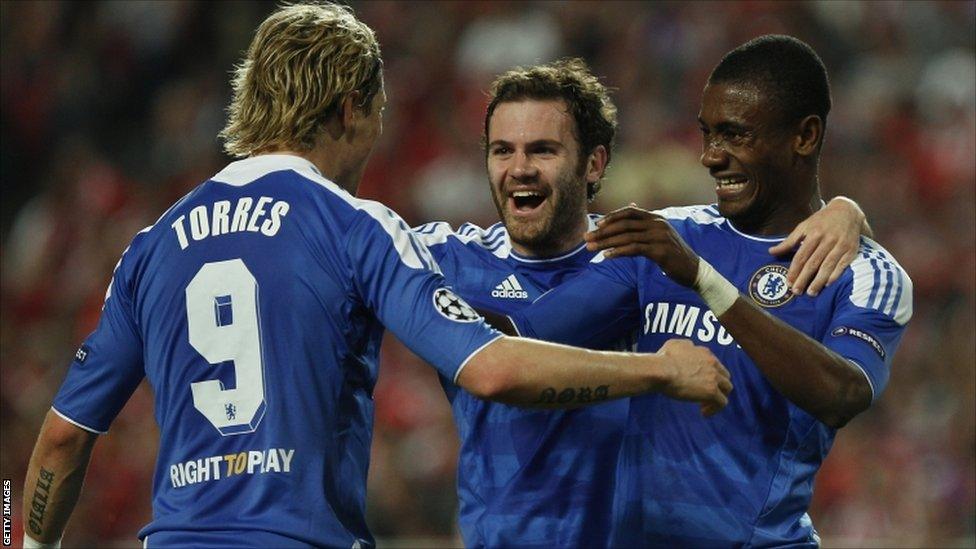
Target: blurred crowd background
x,y
110,112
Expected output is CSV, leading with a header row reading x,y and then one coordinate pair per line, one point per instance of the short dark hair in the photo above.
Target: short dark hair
x,y
570,80
787,69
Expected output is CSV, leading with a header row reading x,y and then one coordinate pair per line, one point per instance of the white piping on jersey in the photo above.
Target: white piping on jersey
x,y
754,237
570,253
75,423
411,252
880,283
714,211
464,363
866,376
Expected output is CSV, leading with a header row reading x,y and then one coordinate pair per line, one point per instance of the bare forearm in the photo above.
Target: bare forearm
x,y
813,377
532,373
54,478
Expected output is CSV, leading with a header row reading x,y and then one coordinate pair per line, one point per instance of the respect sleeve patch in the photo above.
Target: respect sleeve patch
x,y
842,331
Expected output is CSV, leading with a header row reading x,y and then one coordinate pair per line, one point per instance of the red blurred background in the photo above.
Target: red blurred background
x,y
110,113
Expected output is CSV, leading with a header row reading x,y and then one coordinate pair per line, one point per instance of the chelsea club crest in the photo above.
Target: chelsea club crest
x,y
768,286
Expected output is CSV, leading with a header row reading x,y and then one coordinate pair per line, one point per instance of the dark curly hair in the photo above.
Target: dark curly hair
x,y
570,80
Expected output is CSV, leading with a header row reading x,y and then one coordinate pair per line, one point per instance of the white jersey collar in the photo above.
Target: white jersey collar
x,y
244,171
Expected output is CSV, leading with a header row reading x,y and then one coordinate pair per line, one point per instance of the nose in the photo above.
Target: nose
x,y
713,156
523,167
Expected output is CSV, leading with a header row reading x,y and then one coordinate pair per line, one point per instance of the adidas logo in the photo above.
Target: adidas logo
x,y
510,289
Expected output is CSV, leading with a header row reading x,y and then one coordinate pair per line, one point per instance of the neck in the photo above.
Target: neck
x,y
329,161
556,246
781,219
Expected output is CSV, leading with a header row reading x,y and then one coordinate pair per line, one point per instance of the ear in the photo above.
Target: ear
x,y
810,134
596,164
348,109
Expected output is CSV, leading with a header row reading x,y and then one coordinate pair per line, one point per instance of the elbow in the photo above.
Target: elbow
x,y
59,436
489,385
491,374
853,398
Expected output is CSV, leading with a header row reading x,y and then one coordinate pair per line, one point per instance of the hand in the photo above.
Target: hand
x,y
633,231
828,241
696,375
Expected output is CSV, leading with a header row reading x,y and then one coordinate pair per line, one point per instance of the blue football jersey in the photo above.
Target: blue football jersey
x,y
255,308
526,478
743,477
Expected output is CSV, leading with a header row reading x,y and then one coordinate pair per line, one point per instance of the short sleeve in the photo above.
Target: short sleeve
x,y
871,311
108,366
594,309
401,282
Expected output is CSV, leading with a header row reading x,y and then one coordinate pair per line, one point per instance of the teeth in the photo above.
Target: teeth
x,y
730,181
525,194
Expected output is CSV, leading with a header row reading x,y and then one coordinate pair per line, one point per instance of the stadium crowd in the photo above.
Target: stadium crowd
x,y
110,113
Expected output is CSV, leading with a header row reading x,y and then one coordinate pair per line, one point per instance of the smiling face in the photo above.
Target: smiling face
x,y
749,152
537,182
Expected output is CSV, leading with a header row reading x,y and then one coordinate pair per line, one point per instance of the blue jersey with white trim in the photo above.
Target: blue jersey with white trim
x,y
526,478
745,475
255,308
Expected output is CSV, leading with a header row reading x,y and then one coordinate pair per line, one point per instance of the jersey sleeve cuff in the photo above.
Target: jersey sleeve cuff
x,y
476,351
866,376
77,424
515,327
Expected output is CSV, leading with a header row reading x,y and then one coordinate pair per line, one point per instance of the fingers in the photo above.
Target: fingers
x,y
806,247
624,250
790,242
715,405
810,268
619,226
842,264
721,369
827,268
633,226
627,212
725,385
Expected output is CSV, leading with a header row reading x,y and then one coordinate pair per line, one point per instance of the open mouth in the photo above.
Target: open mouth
x,y
525,202
730,187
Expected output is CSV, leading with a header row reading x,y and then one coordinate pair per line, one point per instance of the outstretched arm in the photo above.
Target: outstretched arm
x,y
825,244
812,376
525,372
54,478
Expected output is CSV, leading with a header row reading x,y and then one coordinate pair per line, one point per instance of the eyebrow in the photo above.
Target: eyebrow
x,y
530,144
726,125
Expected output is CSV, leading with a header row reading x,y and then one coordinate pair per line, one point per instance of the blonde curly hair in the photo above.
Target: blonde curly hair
x,y
303,60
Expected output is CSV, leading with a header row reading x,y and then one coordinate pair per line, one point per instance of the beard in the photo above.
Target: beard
x,y
554,228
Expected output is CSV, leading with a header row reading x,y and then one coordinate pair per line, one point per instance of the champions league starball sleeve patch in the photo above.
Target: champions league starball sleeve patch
x,y
452,307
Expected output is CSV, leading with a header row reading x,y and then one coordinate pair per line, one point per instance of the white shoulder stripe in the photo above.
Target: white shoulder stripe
x,y
880,283
494,239
704,215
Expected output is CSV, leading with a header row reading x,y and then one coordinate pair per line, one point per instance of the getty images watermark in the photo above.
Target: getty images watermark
x,y
7,526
